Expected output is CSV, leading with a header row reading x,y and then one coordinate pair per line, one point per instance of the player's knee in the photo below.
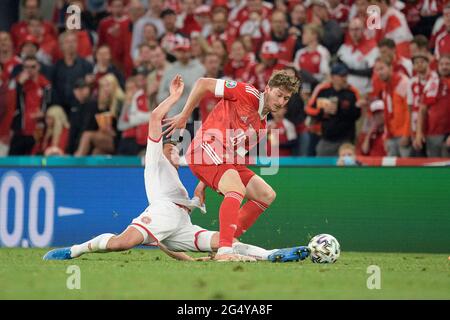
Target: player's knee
x,y
268,196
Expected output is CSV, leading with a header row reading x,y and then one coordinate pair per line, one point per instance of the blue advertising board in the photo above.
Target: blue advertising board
x,y
42,207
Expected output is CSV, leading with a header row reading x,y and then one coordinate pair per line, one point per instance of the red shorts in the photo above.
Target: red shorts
x,y
211,174
210,170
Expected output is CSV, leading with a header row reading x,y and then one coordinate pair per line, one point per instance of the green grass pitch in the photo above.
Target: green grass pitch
x,y
149,274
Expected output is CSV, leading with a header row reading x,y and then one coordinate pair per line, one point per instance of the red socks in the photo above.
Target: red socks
x,y
248,214
228,217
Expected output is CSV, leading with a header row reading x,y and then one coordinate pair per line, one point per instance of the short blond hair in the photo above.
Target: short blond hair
x,y
281,79
346,145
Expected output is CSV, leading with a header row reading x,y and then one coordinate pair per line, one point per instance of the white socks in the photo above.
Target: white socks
x,y
251,251
225,250
98,244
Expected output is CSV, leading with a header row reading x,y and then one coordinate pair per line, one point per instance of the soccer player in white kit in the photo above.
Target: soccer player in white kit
x,y
166,221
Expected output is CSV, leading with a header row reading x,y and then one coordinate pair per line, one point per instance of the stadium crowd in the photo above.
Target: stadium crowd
x,y
380,84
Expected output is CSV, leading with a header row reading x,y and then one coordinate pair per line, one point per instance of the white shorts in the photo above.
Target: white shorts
x,y
171,225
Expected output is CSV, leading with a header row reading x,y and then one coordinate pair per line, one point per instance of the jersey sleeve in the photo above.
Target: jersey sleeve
x,y
154,151
233,90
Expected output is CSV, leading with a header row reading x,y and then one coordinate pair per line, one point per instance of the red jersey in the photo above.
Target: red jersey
x,y
286,133
139,132
7,109
286,49
242,71
207,104
340,14
190,25
229,36
8,67
20,30
436,96
442,44
233,127
116,33
315,61
414,96
33,99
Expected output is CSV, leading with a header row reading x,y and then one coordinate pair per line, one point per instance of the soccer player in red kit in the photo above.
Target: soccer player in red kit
x,y
216,153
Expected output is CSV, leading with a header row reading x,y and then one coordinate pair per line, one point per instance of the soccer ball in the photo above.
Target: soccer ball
x,y
324,248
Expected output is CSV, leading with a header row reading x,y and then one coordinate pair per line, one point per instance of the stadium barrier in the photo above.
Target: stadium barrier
x,y
59,202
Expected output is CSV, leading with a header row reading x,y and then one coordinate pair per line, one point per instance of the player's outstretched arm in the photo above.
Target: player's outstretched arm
x,y
176,255
201,87
158,114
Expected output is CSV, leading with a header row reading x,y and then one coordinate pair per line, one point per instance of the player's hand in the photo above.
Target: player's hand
x,y
176,86
177,122
199,192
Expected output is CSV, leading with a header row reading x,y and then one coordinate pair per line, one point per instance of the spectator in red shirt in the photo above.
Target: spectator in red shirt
x,y
186,19
56,135
282,134
33,98
433,125
221,29
313,59
396,116
400,65
115,31
253,20
240,68
419,46
288,43
7,58
339,12
169,38
371,143
442,45
359,54
133,120
415,92
31,9
393,26
48,46
270,62
7,108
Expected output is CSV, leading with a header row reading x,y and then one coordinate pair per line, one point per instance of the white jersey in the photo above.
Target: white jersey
x,y
162,182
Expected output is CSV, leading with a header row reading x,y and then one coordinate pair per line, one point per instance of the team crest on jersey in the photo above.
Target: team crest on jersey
x,y
230,84
244,119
